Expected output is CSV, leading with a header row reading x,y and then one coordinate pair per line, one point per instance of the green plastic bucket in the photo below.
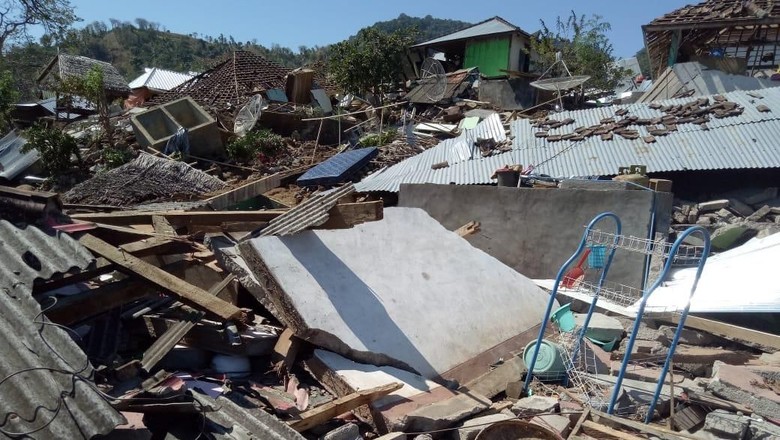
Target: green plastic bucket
x,y
549,362
564,318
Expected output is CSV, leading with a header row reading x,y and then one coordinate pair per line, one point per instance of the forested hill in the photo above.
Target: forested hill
x,y
428,27
131,46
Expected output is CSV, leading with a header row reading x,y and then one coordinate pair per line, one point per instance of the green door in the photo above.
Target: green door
x,y
490,56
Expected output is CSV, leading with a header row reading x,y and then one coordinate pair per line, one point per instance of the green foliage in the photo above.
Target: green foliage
x,y
370,60
429,27
55,147
378,140
8,97
114,157
644,62
16,16
91,87
261,144
584,46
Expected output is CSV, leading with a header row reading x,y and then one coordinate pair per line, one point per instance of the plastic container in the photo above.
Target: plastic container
x,y
597,257
549,363
563,317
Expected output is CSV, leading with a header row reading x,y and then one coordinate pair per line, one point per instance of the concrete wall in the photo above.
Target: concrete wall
x,y
535,231
507,94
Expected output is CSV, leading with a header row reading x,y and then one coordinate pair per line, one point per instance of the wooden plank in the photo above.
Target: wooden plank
x,y
180,218
610,432
102,266
285,350
583,418
322,414
188,293
469,228
655,430
752,338
347,215
162,225
246,191
157,246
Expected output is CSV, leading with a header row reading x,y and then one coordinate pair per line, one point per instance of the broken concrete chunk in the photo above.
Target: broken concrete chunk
x,y
350,431
445,413
540,134
649,139
528,406
740,208
723,424
471,428
555,422
759,214
741,385
621,112
606,136
392,436
763,109
713,205
601,327
763,430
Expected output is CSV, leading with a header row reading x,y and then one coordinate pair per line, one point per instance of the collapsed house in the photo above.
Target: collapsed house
x,y
153,82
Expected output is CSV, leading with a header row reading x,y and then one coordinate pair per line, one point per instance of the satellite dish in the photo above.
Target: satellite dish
x,y
433,76
248,115
561,83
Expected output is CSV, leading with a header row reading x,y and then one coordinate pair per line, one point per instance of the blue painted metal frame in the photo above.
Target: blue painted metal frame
x,y
561,273
680,325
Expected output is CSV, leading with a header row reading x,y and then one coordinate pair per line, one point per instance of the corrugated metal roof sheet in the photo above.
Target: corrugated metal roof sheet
x,y
312,212
491,26
417,169
749,140
12,161
160,79
46,391
695,79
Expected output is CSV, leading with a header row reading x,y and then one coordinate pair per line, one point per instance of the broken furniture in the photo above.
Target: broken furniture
x,y
594,238
154,127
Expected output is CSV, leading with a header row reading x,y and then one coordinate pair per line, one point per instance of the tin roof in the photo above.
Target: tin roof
x,y
738,142
12,161
491,26
47,390
695,79
159,79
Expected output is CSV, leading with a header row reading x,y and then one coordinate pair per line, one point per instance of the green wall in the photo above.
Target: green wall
x,y
489,55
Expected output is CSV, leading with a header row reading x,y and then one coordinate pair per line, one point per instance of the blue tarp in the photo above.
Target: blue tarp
x,y
338,168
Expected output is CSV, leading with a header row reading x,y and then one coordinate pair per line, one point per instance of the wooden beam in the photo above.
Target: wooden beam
x,y
322,414
751,338
347,215
245,192
468,229
180,218
77,308
655,430
101,266
157,246
609,432
186,292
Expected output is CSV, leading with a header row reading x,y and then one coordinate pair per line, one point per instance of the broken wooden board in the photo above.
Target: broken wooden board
x,y
396,292
752,338
181,218
322,414
188,293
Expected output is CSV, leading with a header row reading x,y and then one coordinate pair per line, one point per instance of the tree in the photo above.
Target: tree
x,y
92,88
8,97
16,16
370,60
584,48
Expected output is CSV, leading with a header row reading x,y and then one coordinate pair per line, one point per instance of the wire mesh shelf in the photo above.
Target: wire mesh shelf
x,y
621,295
685,255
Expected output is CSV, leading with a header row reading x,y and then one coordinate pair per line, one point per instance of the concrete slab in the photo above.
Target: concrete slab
x,y
471,428
446,413
742,385
601,327
553,422
528,406
402,292
724,424
350,431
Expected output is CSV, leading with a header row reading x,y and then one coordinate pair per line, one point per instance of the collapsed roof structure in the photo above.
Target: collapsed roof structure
x,y
736,36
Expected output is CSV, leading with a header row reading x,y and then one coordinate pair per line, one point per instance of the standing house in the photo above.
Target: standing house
x,y
153,82
65,66
495,46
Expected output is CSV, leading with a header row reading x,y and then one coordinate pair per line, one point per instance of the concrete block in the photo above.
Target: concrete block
x,y
446,413
740,208
555,422
392,436
688,336
601,327
741,385
723,424
661,185
350,431
154,127
763,430
471,428
772,359
725,215
534,405
760,214
713,205
496,381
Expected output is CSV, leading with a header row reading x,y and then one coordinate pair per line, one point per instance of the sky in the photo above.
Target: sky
x,y
321,22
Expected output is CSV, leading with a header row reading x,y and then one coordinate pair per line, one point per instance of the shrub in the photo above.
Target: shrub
x,y
114,157
378,140
55,147
256,143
